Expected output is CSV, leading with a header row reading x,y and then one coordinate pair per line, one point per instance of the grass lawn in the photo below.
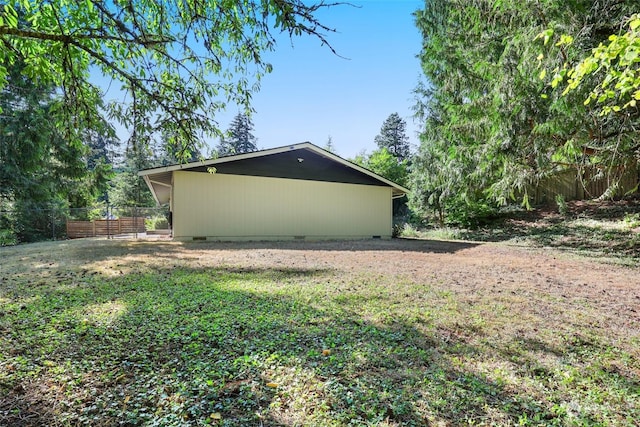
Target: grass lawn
x,y
92,333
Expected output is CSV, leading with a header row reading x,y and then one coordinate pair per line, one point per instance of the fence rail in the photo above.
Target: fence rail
x,y
105,227
19,224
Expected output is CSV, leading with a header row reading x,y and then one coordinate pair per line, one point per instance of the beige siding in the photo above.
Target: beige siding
x,y
229,207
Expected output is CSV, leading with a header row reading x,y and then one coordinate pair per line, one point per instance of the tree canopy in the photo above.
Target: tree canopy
x,y
385,164
393,137
40,171
239,137
178,61
618,60
36,163
493,128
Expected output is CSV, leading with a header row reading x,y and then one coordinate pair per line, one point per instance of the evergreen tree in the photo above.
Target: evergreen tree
x,y
32,152
393,137
128,189
102,144
492,127
41,171
329,145
239,137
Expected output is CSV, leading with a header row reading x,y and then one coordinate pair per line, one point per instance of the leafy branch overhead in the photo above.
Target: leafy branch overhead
x,y
178,61
618,60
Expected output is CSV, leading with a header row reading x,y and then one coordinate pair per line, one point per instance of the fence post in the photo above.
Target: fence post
x,y
53,223
108,219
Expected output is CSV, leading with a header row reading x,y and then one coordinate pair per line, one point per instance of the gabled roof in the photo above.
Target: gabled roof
x,y
299,161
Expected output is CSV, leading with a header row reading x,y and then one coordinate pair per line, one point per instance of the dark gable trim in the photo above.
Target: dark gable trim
x,y
301,164
303,161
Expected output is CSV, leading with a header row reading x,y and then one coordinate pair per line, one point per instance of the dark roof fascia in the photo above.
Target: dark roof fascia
x,y
220,160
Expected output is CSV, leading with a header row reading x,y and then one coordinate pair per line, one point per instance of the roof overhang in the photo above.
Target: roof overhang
x,y
325,165
160,185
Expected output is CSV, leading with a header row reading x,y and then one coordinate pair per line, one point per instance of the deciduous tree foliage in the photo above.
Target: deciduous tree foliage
x,y
385,164
618,60
178,61
492,127
600,58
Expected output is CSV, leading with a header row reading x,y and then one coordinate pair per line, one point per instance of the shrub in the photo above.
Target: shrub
x,y
563,208
469,213
156,223
7,238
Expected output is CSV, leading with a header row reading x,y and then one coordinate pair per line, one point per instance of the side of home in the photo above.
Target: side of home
x,y
293,192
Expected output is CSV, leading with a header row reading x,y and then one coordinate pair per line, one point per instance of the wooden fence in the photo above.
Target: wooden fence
x,y
105,227
574,185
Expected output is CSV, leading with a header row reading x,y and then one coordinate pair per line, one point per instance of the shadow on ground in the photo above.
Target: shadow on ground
x,y
395,245
586,227
88,255
274,347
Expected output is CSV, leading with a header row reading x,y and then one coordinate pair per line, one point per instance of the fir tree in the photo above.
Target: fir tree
x,y
240,138
393,137
329,145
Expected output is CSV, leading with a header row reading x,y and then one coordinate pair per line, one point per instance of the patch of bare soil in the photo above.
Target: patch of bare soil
x,y
464,268
472,270
551,292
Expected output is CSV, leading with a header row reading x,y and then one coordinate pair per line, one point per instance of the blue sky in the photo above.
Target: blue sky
x,y
313,93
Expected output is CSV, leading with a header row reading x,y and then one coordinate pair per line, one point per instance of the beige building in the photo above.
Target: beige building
x,y
295,192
